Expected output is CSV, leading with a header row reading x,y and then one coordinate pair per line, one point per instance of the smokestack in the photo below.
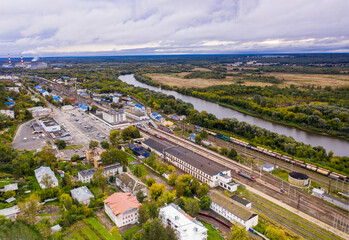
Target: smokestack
x,y
9,59
21,59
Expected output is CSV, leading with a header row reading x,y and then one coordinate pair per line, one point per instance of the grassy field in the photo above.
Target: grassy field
x,y
281,173
298,79
72,147
92,230
131,231
179,81
143,171
130,158
312,79
212,234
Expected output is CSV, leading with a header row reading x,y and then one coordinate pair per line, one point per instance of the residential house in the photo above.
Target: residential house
x,y
85,176
122,208
43,171
82,195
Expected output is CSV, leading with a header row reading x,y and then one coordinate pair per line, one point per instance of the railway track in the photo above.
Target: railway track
x,y
268,187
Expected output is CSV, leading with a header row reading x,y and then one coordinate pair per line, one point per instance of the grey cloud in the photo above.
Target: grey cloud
x,y
159,27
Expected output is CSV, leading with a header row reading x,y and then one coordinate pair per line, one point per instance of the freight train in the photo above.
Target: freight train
x,y
277,155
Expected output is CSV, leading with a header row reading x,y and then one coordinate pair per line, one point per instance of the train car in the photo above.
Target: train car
x,y
337,175
246,176
260,149
198,128
211,133
278,155
311,167
323,171
299,163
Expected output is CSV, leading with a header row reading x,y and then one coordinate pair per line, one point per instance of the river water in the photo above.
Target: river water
x,y
339,146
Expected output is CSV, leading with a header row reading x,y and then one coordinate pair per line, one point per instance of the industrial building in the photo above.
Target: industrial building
x,y
114,116
50,125
298,179
232,211
39,112
196,165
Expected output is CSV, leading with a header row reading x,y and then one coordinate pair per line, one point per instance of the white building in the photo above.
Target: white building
x,y
268,167
85,176
186,227
50,125
11,212
194,164
9,113
67,108
82,195
122,208
41,172
11,187
114,116
232,211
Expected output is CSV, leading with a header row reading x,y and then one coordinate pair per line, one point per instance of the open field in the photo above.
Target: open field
x,y
298,79
90,229
312,79
179,81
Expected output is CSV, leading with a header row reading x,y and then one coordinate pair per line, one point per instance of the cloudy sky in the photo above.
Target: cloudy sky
x,y
113,27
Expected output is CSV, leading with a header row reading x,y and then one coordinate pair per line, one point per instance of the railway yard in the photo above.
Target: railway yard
x,y
270,185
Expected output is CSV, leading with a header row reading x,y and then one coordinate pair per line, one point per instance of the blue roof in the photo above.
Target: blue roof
x,y
80,102
158,117
10,103
56,98
193,135
38,86
139,106
9,98
84,107
268,165
155,114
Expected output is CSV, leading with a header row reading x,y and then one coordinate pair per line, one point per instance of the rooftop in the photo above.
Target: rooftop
x,y
228,204
157,144
81,193
49,122
9,211
202,163
188,227
41,172
240,200
91,171
132,183
119,203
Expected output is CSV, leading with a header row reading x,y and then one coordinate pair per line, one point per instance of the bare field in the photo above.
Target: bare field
x,y
312,79
179,81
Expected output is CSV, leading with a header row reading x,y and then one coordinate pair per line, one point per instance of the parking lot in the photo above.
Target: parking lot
x,y
81,126
25,139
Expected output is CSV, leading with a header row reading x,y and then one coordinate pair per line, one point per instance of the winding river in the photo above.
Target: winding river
x,y
339,146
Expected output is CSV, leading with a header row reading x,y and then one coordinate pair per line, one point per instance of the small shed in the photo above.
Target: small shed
x,y
268,167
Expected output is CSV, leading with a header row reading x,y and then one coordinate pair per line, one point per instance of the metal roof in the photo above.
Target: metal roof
x,y
228,204
81,193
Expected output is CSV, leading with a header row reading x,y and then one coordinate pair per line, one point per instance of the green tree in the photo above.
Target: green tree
x,y
205,202
172,178
198,139
192,207
114,137
202,190
93,144
44,227
104,144
203,134
155,230
156,190
238,233
66,201
75,157
61,144
114,155
9,194
153,210
47,181
45,157
150,181
29,207
94,108
275,234
140,196
129,133
232,154
99,179
143,215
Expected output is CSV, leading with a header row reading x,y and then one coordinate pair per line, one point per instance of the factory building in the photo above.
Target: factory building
x,y
50,125
194,164
114,116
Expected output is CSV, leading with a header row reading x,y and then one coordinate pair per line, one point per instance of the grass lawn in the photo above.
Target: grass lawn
x,y
4,183
89,233
130,158
141,166
131,231
77,236
100,228
212,234
70,147
281,173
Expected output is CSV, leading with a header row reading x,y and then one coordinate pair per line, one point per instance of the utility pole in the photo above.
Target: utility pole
x,y
329,185
299,201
